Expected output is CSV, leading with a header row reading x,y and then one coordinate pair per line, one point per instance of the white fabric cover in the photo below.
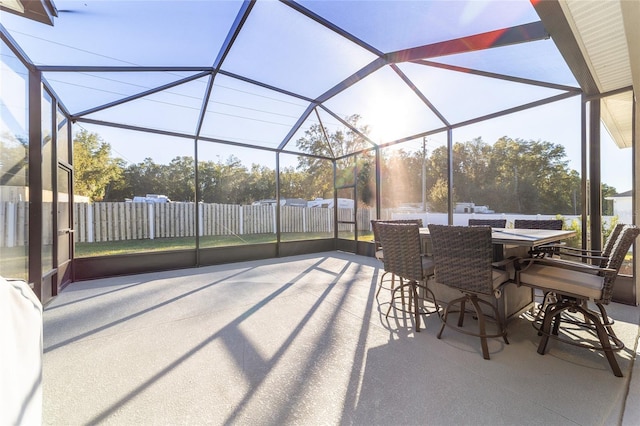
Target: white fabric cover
x,y
20,354
565,281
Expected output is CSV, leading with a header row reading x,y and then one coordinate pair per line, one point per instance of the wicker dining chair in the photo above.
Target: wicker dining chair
x,y
403,257
596,257
379,252
463,257
538,224
575,284
593,257
494,223
546,249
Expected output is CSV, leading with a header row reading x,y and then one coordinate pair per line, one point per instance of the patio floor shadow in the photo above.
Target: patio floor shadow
x,y
303,340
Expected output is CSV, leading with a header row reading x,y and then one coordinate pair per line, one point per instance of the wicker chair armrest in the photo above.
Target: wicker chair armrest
x,y
558,245
569,249
583,256
524,263
504,262
598,258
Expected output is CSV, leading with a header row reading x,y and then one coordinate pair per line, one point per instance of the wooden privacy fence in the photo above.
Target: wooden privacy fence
x,y
14,219
97,222
127,221
133,221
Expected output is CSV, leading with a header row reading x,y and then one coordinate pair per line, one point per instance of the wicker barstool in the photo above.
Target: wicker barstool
x,y
403,258
463,258
574,284
380,251
594,257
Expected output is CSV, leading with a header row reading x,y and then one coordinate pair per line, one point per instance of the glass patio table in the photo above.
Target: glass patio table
x,y
513,237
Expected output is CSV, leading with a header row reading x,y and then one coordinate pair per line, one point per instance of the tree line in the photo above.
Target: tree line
x,y
510,175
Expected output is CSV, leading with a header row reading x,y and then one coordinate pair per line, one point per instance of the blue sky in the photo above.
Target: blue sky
x,y
280,47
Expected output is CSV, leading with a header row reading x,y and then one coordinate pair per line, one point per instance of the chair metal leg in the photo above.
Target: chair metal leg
x,y
445,315
463,307
482,328
393,293
546,300
380,284
606,321
549,314
393,280
553,315
414,300
556,324
481,317
604,341
502,327
416,304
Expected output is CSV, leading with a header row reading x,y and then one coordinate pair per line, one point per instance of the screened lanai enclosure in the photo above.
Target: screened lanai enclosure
x,y
149,135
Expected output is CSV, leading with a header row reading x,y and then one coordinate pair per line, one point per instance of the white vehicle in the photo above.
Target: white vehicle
x,y
294,202
343,203
151,198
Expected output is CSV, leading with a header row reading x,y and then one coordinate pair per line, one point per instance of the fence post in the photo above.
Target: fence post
x,y
11,225
152,221
304,219
274,219
201,219
241,230
90,208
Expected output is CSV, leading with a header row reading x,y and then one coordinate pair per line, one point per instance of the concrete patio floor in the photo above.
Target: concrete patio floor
x,y
301,340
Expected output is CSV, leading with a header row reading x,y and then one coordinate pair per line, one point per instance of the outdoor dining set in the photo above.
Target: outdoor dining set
x,y
489,274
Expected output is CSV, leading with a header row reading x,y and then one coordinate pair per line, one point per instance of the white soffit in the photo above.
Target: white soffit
x,y
13,5
631,16
599,29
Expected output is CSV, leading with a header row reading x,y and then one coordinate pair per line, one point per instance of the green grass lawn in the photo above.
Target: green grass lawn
x,y
13,262
184,243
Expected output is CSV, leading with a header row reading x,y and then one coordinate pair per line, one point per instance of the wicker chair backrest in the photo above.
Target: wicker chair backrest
x,y
608,245
376,233
494,223
538,224
401,245
621,247
463,257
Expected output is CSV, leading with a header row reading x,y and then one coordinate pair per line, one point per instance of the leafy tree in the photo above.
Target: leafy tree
x,y
437,172
537,175
13,161
93,165
513,176
398,179
224,182
320,142
146,178
261,183
438,196
292,184
607,205
180,179
366,178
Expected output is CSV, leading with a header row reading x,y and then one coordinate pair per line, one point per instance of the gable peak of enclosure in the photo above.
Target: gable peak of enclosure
x,y
262,74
